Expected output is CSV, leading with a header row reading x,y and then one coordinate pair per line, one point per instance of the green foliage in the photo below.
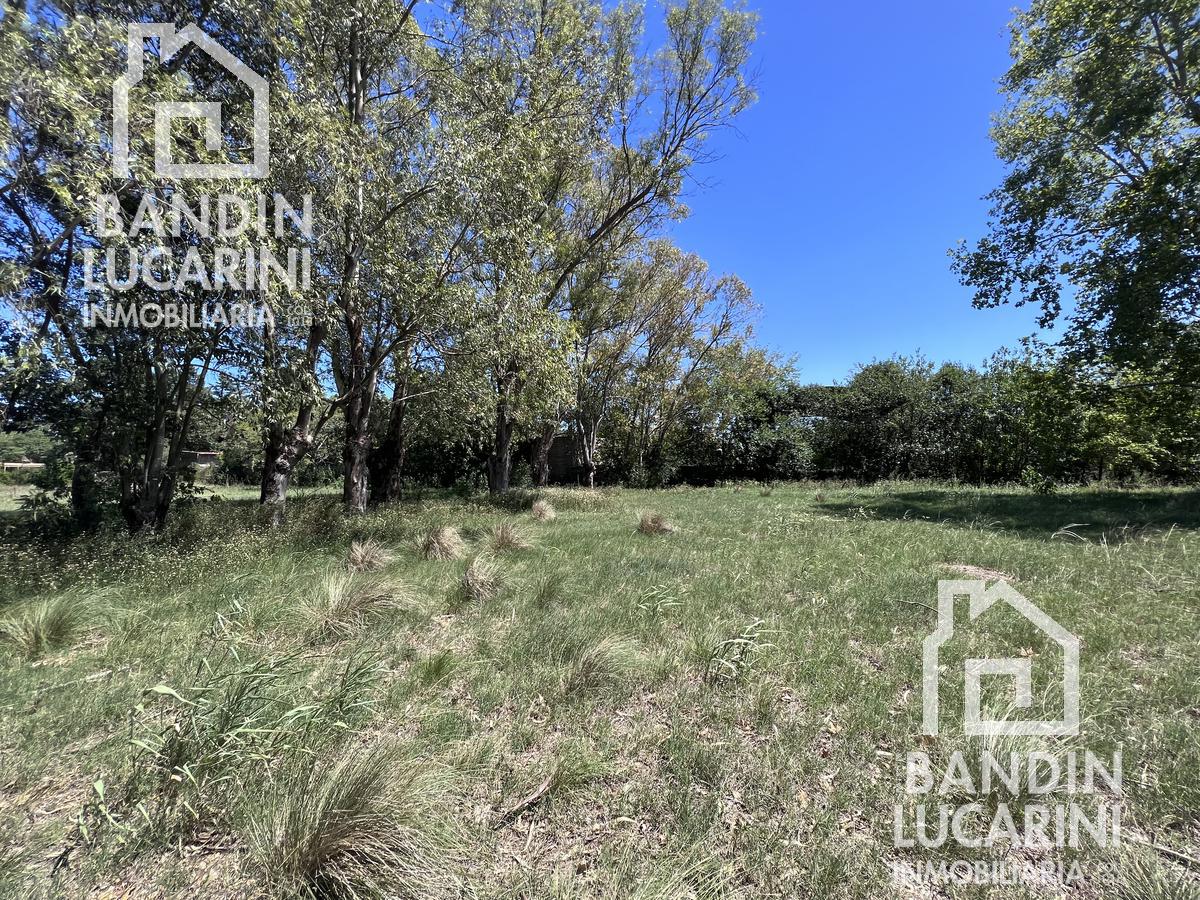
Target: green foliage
x,y
1037,418
18,446
1101,135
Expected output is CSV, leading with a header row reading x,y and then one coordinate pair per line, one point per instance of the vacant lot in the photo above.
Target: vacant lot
x,y
426,703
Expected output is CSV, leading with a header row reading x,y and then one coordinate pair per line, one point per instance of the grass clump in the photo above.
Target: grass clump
x,y
42,626
368,556
200,752
344,601
543,511
481,581
1144,878
443,543
507,537
726,661
370,822
549,590
654,523
599,665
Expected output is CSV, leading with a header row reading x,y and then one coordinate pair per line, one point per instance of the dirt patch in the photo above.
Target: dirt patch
x,y
977,572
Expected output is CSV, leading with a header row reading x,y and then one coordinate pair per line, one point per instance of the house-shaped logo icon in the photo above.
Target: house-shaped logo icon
x,y
982,599
170,43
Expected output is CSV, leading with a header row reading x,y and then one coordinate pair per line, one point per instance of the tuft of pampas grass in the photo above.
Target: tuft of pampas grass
x,y
443,543
42,626
654,523
367,556
365,823
543,511
600,664
345,601
481,581
506,537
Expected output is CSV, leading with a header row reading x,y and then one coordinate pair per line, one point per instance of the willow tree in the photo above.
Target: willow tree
x,y
593,144
121,397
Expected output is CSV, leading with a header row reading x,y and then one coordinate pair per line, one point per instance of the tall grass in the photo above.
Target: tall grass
x,y
367,822
342,602
42,626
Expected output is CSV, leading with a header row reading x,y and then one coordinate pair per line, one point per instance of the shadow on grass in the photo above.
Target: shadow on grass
x,y
1032,514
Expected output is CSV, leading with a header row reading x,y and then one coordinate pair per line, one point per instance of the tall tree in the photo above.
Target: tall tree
x,y
1101,134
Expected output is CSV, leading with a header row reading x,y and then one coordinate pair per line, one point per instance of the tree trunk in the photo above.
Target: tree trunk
x,y
387,461
283,449
85,494
589,431
85,497
542,459
499,464
356,485
356,481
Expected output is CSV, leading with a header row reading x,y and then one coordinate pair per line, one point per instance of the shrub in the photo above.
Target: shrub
x,y
368,822
1038,482
543,511
443,543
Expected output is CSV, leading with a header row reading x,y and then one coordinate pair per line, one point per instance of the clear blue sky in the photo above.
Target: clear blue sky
x,y
863,162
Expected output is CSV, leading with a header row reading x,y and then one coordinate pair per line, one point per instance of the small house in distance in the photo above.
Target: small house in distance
x,y
201,459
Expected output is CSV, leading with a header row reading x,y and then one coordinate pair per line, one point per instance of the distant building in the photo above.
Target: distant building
x,y
201,459
23,466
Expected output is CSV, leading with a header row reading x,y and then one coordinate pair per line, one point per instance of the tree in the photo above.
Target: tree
x,y
1101,134
593,144
123,397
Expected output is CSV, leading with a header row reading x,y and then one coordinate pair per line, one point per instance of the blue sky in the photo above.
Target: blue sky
x,y
863,162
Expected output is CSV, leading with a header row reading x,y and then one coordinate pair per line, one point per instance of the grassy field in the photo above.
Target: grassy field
x,y
567,707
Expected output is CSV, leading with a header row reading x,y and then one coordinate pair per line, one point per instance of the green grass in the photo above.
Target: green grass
x,y
718,711
10,496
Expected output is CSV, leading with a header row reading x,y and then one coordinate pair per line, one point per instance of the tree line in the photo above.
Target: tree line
x,y
480,194
488,186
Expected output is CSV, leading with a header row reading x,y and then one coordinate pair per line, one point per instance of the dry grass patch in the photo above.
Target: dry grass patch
x,y
345,601
368,823
481,581
443,543
599,665
368,556
654,523
977,572
506,537
543,511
